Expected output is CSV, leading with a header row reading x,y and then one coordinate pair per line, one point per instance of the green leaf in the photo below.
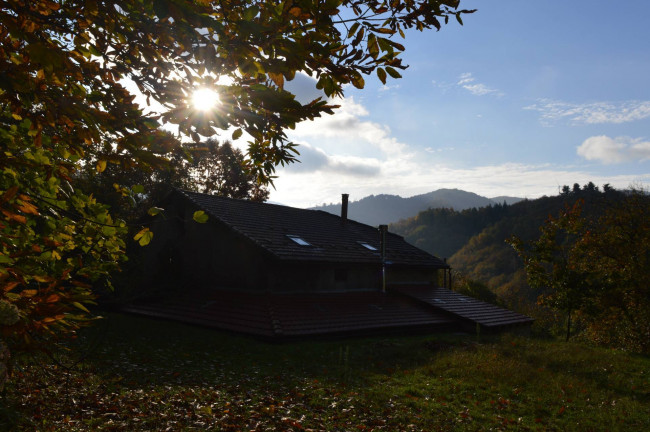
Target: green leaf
x,y
373,46
161,8
80,306
153,211
151,123
93,50
143,237
4,259
250,13
392,72
385,45
237,133
353,29
200,216
109,231
381,74
259,87
357,81
397,45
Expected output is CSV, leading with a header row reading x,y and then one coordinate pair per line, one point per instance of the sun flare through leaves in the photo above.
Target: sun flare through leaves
x,y
204,99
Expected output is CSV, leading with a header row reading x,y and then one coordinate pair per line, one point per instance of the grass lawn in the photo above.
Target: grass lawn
x,y
133,373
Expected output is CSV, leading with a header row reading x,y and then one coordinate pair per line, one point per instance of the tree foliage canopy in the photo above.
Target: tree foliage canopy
x,y
209,167
64,104
217,168
598,265
72,55
553,263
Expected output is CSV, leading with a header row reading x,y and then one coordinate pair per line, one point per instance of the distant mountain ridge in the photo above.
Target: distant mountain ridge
x,y
474,240
384,209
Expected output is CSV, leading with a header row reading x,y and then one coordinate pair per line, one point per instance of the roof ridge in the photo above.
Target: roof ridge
x,y
230,226
283,206
266,225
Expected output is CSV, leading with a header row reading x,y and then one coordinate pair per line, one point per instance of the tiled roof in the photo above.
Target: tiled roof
x,y
294,315
269,225
464,307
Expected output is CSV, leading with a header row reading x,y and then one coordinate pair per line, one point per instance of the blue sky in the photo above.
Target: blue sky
x,y
525,97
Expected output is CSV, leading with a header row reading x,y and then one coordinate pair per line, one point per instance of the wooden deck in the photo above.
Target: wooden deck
x,y
466,308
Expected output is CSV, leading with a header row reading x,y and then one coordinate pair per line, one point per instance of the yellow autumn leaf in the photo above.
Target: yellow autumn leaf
x,y
143,237
80,306
43,279
101,165
277,78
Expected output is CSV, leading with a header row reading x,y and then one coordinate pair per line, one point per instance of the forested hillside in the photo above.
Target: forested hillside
x,y
444,231
475,239
382,209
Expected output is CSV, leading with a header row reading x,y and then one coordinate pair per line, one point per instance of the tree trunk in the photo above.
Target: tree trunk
x,y
568,326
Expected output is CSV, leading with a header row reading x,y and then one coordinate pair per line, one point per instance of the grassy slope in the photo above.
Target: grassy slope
x,y
155,375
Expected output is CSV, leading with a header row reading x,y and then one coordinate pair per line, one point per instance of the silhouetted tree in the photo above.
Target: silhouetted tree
x,y
219,169
551,263
617,258
598,265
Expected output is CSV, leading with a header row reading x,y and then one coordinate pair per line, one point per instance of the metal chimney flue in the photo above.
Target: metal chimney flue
x,y
383,229
344,208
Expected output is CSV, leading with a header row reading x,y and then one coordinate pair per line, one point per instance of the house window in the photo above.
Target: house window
x,y
298,240
368,246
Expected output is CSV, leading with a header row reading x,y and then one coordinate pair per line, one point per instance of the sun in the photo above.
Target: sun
x,y
205,99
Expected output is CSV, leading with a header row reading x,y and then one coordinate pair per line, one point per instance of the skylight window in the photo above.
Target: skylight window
x,y
298,240
368,246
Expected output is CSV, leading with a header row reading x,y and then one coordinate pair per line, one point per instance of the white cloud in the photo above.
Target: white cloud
x,y
347,153
438,149
591,113
313,159
527,181
468,82
443,86
385,88
348,133
465,78
614,150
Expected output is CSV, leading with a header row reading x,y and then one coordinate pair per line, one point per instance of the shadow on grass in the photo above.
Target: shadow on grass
x,y
170,375
137,350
